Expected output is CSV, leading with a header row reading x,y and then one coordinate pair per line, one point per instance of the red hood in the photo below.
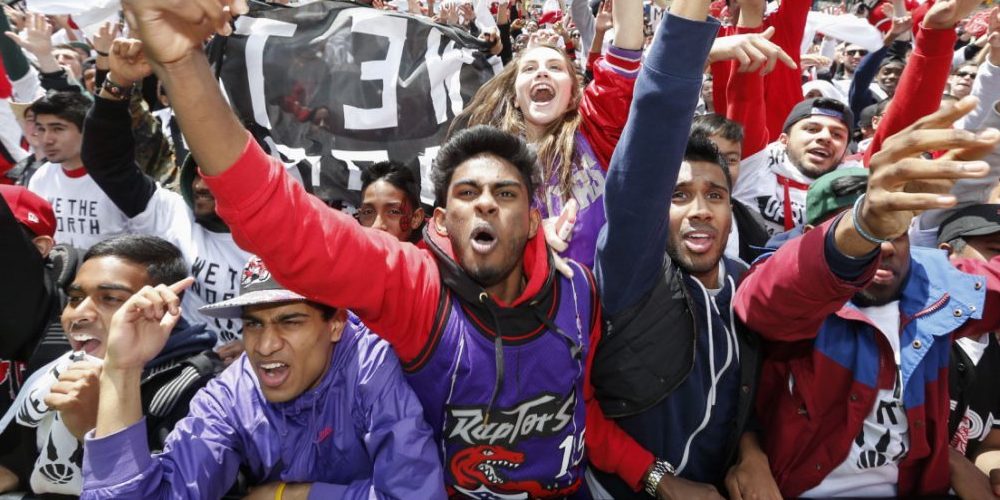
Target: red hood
x,y
536,263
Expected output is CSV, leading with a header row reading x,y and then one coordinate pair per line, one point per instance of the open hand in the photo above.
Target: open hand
x,y
37,37
605,20
902,183
105,36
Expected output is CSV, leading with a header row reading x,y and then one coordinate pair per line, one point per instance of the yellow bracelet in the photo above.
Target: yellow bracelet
x,y
280,491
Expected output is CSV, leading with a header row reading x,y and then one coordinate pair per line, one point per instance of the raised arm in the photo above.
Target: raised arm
x,y
606,99
926,74
647,160
108,148
813,276
393,287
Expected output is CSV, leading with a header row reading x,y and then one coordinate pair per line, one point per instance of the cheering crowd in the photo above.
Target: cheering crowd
x,y
669,249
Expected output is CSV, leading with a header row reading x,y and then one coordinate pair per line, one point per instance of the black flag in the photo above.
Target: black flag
x,y
336,86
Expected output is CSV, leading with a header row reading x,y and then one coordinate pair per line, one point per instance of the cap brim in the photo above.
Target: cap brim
x,y
233,308
979,231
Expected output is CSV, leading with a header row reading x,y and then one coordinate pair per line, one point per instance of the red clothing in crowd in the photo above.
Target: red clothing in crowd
x,y
783,86
403,282
920,86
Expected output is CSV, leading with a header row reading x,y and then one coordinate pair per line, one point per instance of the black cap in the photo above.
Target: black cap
x,y
821,106
977,220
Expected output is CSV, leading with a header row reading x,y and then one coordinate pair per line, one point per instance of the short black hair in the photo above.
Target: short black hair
x,y
713,124
892,60
69,106
396,174
700,148
481,139
881,106
164,263
326,312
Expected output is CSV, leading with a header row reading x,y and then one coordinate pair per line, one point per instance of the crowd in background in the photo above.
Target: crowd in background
x,y
679,249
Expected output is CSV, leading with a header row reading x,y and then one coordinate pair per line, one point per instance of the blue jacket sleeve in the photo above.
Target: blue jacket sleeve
x,y
644,167
200,460
860,95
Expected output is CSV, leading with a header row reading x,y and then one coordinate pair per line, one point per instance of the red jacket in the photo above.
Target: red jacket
x,y
920,86
783,86
393,287
838,361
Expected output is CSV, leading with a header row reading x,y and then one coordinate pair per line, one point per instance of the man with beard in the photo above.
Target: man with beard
x,y
858,327
774,180
674,370
496,344
364,437
187,220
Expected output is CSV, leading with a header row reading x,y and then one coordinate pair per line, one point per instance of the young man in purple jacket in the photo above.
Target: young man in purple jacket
x,y
316,408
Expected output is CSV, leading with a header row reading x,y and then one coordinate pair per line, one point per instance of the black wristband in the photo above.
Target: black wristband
x,y
102,54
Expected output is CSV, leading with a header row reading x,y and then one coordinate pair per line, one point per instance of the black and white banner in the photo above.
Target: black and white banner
x,y
335,87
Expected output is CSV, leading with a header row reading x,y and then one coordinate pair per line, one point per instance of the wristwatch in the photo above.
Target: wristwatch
x,y
120,92
660,467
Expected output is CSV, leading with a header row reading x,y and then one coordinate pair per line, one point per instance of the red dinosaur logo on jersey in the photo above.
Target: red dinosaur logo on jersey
x,y
479,470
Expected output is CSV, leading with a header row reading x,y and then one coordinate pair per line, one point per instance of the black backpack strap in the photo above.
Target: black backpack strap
x,y
177,382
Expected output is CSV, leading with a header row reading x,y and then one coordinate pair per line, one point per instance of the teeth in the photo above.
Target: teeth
x,y
271,366
82,337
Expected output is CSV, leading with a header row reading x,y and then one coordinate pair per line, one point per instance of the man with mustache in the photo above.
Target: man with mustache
x,y
495,342
858,326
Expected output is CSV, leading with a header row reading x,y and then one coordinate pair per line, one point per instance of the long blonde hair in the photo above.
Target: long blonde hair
x,y
495,104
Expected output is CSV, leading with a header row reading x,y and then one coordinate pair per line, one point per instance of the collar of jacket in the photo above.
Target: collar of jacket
x,y
937,297
518,319
926,307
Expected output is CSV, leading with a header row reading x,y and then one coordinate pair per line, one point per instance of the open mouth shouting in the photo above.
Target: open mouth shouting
x,y
698,241
819,155
272,373
483,239
86,342
542,93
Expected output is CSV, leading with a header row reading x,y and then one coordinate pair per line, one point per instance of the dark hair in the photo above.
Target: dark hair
x,y
164,263
881,106
958,244
481,139
326,312
69,106
892,60
700,148
396,174
713,124
849,184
